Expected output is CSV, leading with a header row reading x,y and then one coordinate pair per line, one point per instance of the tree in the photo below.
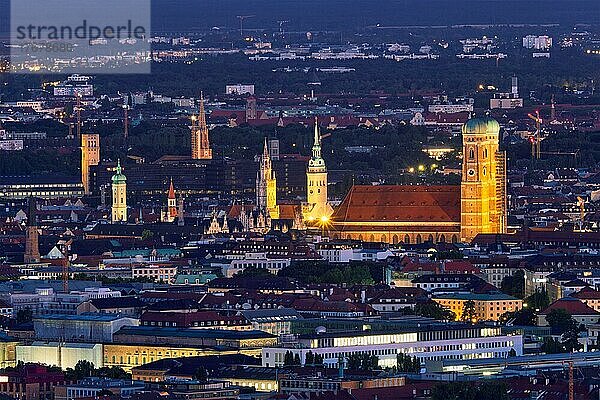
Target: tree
x,y
201,375
538,301
407,363
253,272
147,234
570,338
469,313
112,372
523,317
484,390
431,309
24,315
83,369
354,361
363,362
514,285
552,346
288,358
560,321
309,359
318,359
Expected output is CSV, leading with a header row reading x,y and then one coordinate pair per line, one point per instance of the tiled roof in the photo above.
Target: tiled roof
x,y
587,293
572,306
400,204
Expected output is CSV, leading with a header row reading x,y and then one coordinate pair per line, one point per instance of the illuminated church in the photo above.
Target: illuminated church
x,y
417,214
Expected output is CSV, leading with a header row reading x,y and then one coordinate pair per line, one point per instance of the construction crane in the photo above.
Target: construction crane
x,y
535,139
78,111
65,267
126,121
281,30
242,18
581,204
571,383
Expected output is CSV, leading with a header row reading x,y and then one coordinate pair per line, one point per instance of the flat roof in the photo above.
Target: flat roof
x,y
84,317
193,333
475,296
524,360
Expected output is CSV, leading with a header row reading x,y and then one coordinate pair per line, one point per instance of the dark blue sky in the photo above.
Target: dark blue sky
x,y
333,14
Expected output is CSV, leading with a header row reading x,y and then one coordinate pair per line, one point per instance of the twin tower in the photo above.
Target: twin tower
x,y
316,207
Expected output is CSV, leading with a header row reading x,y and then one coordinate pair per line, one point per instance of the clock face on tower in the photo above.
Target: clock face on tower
x,y
471,172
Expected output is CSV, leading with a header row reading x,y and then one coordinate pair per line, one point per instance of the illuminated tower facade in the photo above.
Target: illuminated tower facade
x,y
32,248
171,204
266,185
90,155
483,186
317,207
200,143
119,195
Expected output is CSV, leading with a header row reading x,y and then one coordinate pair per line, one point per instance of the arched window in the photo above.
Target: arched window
x,y
430,238
471,153
406,239
442,238
419,239
484,153
372,238
383,239
454,239
395,239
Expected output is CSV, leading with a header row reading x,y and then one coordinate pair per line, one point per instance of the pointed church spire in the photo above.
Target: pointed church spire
x,y
316,160
316,149
201,112
266,149
171,190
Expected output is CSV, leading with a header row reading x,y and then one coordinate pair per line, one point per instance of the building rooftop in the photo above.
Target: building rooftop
x,y
82,317
392,203
194,333
475,296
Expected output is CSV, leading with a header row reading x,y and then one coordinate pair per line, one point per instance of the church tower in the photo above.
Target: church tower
x,y
90,155
200,144
119,195
266,185
32,248
483,186
316,185
171,204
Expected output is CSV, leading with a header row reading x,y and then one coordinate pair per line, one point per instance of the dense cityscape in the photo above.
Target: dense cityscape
x,y
294,203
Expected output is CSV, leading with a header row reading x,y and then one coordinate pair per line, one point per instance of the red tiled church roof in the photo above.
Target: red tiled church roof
x,y
391,203
587,293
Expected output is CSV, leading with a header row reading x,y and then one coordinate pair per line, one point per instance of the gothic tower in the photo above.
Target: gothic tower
x,y
317,207
32,248
200,144
483,186
119,195
266,185
90,155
